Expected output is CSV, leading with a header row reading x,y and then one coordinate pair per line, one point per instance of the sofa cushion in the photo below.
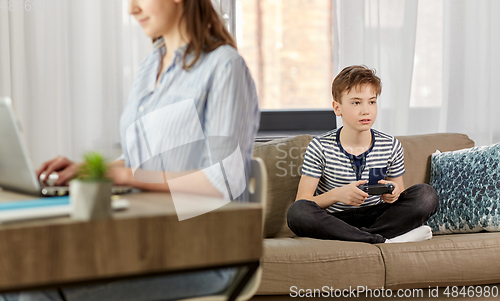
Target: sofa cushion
x,y
468,185
445,260
283,159
419,148
313,263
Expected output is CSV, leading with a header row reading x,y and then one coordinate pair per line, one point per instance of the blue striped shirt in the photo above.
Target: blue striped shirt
x,y
196,119
327,160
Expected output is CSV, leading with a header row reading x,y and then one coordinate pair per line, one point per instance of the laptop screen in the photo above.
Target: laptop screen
x,y
16,169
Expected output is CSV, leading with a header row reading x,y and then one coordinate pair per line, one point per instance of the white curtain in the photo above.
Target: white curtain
x,y
68,67
436,58
62,65
471,102
381,35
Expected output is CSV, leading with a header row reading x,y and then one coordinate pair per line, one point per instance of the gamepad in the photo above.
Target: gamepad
x,y
377,189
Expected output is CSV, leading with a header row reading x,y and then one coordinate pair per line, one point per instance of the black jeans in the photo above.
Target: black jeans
x,y
371,224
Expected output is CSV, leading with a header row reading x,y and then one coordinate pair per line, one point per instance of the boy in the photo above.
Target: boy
x,y
329,204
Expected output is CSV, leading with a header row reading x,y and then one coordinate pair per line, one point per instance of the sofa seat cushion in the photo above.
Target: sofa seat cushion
x,y
445,260
313,263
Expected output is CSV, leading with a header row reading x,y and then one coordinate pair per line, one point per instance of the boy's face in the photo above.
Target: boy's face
x,y
358,108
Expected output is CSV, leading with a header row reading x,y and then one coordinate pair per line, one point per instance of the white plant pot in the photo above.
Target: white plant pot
x,y
90,200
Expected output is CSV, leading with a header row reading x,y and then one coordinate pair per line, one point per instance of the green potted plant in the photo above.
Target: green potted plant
x,y
90,191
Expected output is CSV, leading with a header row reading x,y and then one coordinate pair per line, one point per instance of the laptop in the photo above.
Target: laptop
x,y
16,170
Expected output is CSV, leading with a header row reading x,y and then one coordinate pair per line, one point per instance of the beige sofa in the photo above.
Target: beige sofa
x,y
304,263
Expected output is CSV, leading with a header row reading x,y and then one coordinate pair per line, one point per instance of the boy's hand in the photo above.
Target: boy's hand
x,y
391,198
351,194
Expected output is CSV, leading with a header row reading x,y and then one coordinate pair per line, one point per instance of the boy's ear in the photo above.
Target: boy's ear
x,y
336,108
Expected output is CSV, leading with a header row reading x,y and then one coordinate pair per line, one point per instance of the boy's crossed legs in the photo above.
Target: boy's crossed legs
x,y
372,224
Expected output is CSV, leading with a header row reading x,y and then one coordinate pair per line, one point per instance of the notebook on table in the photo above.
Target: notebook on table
x,y
44,208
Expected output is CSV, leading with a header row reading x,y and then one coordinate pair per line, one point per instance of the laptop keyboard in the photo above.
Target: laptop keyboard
x,y
48,188
64,190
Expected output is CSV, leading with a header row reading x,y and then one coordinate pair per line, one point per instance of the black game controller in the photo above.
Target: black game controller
x,y
377,189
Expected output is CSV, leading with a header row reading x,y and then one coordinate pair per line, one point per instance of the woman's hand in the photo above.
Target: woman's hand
x,y
121,175
65,168
391,198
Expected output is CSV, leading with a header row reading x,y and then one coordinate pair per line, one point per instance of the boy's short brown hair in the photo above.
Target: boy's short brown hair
x,y
354,77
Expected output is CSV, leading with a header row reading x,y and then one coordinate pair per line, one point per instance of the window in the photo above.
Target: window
x,y
427,81
288,47
428,65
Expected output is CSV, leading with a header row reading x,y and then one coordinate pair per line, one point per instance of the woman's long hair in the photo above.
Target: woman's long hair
x,y
205,29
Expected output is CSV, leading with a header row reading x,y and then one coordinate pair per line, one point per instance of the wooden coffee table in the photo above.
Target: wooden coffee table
x,y
145,240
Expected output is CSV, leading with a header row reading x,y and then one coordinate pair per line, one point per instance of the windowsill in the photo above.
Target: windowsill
x,y
264,136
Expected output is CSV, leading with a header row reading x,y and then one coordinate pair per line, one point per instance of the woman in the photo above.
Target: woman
x,y
194,63
192,104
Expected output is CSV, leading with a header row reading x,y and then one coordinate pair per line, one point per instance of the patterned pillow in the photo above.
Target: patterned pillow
x,y
468,185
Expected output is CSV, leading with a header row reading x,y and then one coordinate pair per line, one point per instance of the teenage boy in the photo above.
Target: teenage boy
x,y
329,203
